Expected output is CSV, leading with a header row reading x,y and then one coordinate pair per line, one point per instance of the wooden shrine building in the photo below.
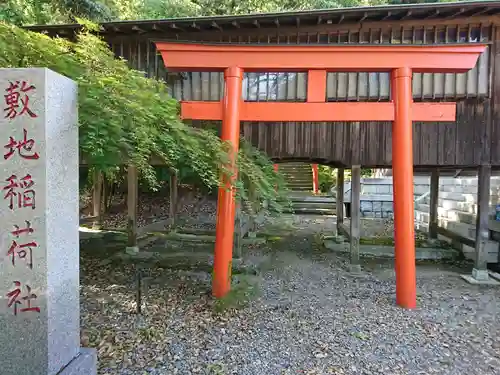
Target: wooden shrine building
x,y
378,87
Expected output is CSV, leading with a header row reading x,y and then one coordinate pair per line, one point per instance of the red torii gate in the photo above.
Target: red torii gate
x,y
400,60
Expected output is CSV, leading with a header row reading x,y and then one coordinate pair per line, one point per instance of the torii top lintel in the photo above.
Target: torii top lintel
x,y
368,58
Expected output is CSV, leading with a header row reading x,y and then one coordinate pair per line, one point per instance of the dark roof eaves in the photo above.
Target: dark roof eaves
x,y
277,15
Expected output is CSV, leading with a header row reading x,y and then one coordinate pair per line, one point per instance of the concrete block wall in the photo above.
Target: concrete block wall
x,y
457,209
457,205
377,194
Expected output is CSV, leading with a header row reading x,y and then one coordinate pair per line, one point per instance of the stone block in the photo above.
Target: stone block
x,y
471,279
39,271
131,250
85,363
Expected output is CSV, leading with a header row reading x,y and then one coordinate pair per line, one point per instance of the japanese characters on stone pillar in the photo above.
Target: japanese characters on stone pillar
x,y
39,242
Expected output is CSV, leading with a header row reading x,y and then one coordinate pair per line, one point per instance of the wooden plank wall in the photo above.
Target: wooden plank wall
x,y
473,139
370,143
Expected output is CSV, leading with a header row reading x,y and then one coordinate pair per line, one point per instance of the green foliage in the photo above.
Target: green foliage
x,y
244,291
22,12
151,9
126,118
327,177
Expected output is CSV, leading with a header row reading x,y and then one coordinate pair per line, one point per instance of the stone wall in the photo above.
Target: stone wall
x,y
456,211
376,195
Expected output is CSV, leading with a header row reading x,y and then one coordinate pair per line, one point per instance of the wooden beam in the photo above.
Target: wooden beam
x,y
433,205
330,27
317,112
216,25
138,29
355,218
348,58
316,86
435,14
462,10
485,10
455,237
339,200
408,14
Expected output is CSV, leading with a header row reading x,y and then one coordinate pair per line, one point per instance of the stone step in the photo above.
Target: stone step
x,y
467,189
422,224
301,189
300,184
298,175
465,206
464,197
312,211
471,181
463,229
421,217
303,174
293,164
303,167
312,199
313,205
299,178
455,215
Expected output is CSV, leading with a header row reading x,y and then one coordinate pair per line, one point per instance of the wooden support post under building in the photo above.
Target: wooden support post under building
x,y
355,217
97,199
132,197
433,206
480,271
339,200
483,245
173,199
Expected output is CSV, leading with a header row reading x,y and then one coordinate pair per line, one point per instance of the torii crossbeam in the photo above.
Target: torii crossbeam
x,y
401,60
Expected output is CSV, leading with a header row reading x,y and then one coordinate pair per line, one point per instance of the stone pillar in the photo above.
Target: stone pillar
x,y
355,217
39,215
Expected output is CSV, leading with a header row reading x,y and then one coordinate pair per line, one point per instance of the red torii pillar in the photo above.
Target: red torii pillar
x,y
402,176
400,60
315,173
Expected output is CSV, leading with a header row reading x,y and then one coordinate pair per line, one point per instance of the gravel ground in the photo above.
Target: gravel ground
x,y
311,317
